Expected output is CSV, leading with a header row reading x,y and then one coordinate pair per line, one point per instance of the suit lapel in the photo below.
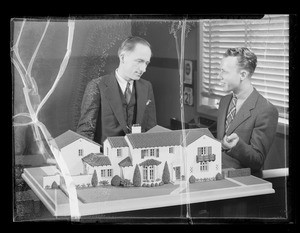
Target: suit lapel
x,y
141,93
244,112
112,95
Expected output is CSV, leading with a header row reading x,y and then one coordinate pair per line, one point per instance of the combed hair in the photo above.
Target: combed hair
x,y
246,58
130,42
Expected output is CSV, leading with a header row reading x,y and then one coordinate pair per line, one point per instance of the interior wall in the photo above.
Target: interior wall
x,y
163,71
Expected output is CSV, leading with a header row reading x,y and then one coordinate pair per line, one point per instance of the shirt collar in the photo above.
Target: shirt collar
x,y
244,95
122,82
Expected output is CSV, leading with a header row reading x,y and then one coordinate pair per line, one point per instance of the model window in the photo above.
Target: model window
x,y
171,150
109,172
80,152
151,152
144,153
203,166
119,152
206,150
151,172
102,173
145,173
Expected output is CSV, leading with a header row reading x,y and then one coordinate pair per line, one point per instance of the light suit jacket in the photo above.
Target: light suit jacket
x,y
255,123
102,113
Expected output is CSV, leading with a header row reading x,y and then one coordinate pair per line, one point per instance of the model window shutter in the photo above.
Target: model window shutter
x,y
268,38
209,150
157,152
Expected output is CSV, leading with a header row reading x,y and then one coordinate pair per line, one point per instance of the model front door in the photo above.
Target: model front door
x,y
177,173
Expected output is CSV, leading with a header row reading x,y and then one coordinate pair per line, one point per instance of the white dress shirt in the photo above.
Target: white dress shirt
x,y
123,83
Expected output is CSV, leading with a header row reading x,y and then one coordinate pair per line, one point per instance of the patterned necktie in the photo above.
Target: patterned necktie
x,y
231,112
127,93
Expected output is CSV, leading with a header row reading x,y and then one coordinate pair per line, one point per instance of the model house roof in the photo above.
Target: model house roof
x,y
168,138
150,162
126,162
68,137
96,159
116,142
157,129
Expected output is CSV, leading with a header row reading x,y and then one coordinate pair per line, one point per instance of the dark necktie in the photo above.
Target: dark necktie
x,y
127,93
231,112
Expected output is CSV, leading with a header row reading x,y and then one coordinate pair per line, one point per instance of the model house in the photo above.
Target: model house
x,y
200,157
82,156
198,154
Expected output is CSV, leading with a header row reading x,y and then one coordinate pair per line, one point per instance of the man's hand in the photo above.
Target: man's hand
x,y
230,141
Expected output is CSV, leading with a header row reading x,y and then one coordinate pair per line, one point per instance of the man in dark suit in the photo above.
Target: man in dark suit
x,y
247,122
113,103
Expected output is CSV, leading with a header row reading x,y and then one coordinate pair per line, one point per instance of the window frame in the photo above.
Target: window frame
x,y
80,152
119,152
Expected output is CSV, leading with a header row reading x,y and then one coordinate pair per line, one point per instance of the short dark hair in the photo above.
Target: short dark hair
x,y
246,58
130,43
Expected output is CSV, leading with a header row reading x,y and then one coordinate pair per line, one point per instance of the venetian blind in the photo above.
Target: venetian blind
x,y
268,38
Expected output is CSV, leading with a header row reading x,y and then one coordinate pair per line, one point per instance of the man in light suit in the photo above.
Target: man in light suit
x,y
113,103
247,122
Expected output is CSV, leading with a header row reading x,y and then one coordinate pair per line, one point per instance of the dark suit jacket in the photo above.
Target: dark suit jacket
x,y
255,123
102,114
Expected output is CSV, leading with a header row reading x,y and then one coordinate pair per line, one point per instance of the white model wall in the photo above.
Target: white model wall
x,y
82,180
214,167
72,158
114,159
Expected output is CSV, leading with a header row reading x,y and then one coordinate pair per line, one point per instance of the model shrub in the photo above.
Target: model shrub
x,y
152,184
54,185
166,174
137,180
219,176
104,182
125,182
116,180
94,181
161,183
192,179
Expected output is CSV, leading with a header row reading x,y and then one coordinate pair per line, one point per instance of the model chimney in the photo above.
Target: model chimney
x,y
136,128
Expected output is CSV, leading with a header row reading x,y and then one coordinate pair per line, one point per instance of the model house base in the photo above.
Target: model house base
x,y
105,199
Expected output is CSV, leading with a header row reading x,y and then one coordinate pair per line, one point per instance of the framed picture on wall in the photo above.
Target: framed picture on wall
x,y
188,72
188,96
